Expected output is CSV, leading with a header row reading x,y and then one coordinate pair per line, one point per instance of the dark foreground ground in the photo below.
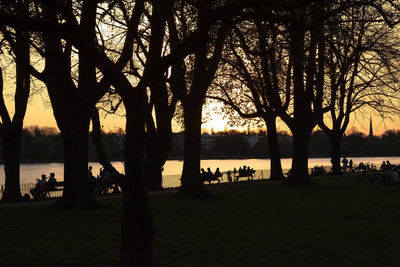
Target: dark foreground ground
x,y
334,223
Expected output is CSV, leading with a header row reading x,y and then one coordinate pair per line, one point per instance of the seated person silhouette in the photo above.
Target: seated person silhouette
x,y
43,180
217,173
229,175
51,183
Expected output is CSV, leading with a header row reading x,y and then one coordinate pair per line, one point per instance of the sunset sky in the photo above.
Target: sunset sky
x,y
40,113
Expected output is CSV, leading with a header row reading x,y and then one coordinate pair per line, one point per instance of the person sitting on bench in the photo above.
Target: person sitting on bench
x,y
217,173
51,183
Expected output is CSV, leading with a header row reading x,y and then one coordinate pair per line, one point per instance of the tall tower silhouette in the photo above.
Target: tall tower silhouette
x,y
371,132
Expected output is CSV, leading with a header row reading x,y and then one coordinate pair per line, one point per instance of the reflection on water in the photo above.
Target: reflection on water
x,y
173,168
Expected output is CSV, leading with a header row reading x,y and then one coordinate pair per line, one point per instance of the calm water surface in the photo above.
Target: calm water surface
x,y
30,172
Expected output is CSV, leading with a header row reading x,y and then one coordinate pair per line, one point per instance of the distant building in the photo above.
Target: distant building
x,y
371,132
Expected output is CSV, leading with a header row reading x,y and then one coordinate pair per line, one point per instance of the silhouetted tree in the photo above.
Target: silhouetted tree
x,y
190,81
361,71
256,65
70,108
158,127
11,128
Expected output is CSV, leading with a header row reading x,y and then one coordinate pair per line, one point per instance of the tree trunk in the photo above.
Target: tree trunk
x,y
98,143
299,174
159,140
11,129
335,140
275,155
157,150
11,153
302,123
72,117
192,184
153,174
72,114
137,220
76,188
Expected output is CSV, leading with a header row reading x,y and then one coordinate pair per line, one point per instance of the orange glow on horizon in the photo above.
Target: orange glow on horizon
x,y
39,112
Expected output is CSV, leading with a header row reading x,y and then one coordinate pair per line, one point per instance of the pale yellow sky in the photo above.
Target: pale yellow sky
x,y
39,112
360,122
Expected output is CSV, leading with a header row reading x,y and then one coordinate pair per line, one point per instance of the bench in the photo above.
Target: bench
x,y
42,191
245,174
211,177
58,186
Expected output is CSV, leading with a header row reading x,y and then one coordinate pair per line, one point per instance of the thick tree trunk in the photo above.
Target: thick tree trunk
x,y
157,150
137,220
159,136
335,141
77,194
12,128
192,184
11,153
302,123
299,174
72,116
275,155
71,111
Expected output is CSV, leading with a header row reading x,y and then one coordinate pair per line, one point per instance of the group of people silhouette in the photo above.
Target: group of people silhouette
x,y
102,183
386,165
390,175
349,166
210,176
51,182
43,186
209,172
244,171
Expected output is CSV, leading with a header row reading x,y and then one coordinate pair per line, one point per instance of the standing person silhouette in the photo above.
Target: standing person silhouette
x,y
344,161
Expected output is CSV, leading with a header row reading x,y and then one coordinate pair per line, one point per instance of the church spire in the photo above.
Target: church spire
x,y
371,132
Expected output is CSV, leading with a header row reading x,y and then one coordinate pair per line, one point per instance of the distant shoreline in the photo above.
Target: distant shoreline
x,y
217,157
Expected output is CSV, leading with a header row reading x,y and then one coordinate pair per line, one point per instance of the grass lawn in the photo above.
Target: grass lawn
x,y
334,223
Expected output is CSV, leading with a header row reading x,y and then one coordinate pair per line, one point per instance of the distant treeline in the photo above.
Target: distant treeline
x,y
45,145
354,144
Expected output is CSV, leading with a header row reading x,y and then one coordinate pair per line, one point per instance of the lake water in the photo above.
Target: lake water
x,y
173,168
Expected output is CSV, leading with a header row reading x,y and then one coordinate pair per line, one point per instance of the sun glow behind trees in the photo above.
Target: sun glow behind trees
x,y
39,113
39,110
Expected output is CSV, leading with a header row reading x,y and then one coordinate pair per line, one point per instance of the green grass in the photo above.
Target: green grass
x,y
335,223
